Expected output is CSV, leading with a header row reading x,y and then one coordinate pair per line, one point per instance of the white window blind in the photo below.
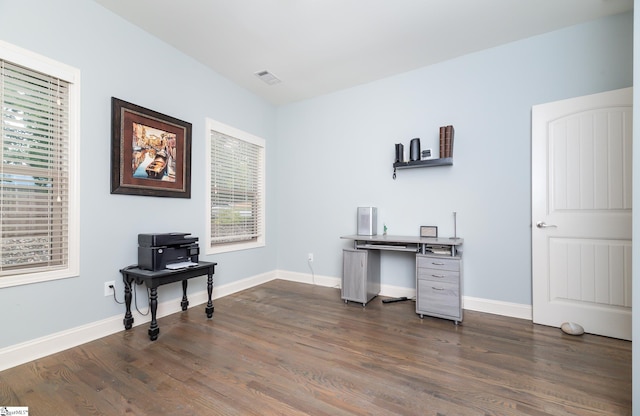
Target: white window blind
x,y
34,171
236,189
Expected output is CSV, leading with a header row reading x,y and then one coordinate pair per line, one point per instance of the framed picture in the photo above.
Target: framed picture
x,y
428,231
150,152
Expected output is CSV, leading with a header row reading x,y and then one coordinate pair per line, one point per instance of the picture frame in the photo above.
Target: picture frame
x,y
150,152
429,231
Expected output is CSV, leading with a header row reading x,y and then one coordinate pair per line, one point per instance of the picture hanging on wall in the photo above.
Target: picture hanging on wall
x,y
150,152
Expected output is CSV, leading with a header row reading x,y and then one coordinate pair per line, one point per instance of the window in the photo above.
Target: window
x,y
38,168
235,202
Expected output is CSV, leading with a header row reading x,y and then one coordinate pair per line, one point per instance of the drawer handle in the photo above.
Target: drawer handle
x,y
437,288
440,276
437,263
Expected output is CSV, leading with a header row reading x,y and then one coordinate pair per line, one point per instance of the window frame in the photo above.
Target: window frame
x,y
213,125
71,75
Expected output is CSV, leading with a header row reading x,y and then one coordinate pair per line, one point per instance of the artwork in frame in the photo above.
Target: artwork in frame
x,y
150,152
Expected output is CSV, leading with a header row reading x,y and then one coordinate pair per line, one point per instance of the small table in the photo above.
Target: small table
x,y
153,279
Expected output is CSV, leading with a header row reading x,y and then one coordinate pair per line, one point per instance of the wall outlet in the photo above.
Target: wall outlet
x,y
107,290
310,257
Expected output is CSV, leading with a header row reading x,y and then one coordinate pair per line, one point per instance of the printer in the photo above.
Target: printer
x,y
167,251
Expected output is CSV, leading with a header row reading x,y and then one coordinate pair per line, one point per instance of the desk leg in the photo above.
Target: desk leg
x,y
185,301
209,308
153,305
128,318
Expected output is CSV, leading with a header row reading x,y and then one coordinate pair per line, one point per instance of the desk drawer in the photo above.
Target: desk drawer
x,y
439,263
441,299
436,275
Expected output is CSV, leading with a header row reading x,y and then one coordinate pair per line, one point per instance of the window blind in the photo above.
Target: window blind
x,y
236,190
34,171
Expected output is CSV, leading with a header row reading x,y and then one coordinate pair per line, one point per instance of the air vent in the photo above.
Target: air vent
x,y
268,77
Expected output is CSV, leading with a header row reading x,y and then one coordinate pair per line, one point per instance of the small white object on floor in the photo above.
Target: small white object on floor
x,y
572,328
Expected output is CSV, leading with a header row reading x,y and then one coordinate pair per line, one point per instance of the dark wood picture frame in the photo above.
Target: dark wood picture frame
x,y
150,152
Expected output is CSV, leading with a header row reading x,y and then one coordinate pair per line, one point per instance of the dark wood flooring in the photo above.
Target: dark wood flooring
x,y
286,348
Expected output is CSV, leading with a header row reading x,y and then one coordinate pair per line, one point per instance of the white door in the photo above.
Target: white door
x,y
581,212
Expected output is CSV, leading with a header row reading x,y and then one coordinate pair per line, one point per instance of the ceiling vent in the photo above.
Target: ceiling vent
x,y
268,77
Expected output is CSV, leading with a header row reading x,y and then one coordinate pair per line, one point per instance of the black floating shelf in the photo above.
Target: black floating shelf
x,y
445,161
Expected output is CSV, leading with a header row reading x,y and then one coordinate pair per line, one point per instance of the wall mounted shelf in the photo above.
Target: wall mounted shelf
x,y
445,161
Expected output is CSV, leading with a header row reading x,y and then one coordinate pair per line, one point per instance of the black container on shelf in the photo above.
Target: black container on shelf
x,y
414,153
399,152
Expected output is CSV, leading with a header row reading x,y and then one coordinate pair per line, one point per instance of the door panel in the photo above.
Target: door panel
x,y
581,191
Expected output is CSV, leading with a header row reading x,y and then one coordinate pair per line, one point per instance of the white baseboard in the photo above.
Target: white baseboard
x,y
312,279
24,352
496,307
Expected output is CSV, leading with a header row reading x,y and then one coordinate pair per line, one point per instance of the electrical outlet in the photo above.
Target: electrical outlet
x,y
310,257
108,291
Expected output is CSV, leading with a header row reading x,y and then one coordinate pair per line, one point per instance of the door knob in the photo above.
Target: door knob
x,y
542,224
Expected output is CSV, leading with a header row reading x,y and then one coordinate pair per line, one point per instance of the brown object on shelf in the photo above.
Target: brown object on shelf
x,y
448,141
442,132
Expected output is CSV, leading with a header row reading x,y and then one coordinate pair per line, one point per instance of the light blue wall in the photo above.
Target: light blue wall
x,y
118,59
335,153
325,156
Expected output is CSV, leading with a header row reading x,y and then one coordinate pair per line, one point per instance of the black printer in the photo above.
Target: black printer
x,y
167,251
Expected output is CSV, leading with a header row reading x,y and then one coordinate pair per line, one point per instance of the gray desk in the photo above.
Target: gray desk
x,y
421,245
438,271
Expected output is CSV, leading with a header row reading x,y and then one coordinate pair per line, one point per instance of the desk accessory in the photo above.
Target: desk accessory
x,y
399,152
446,141
427,154
414,153
428,231
367,220
455,235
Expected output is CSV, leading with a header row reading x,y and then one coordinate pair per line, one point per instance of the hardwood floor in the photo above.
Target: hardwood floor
x,y
289,348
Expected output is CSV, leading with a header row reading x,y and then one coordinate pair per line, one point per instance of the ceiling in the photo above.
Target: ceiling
x,y
315,47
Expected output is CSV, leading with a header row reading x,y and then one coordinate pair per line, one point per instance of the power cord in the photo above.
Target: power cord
x,y
135,299
114,295
313,277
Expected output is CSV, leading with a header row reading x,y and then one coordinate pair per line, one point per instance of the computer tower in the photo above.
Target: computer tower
x,y
367,221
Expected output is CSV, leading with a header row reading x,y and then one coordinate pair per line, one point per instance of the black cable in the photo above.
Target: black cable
x,y
135,293
135,297
114,295
135,300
